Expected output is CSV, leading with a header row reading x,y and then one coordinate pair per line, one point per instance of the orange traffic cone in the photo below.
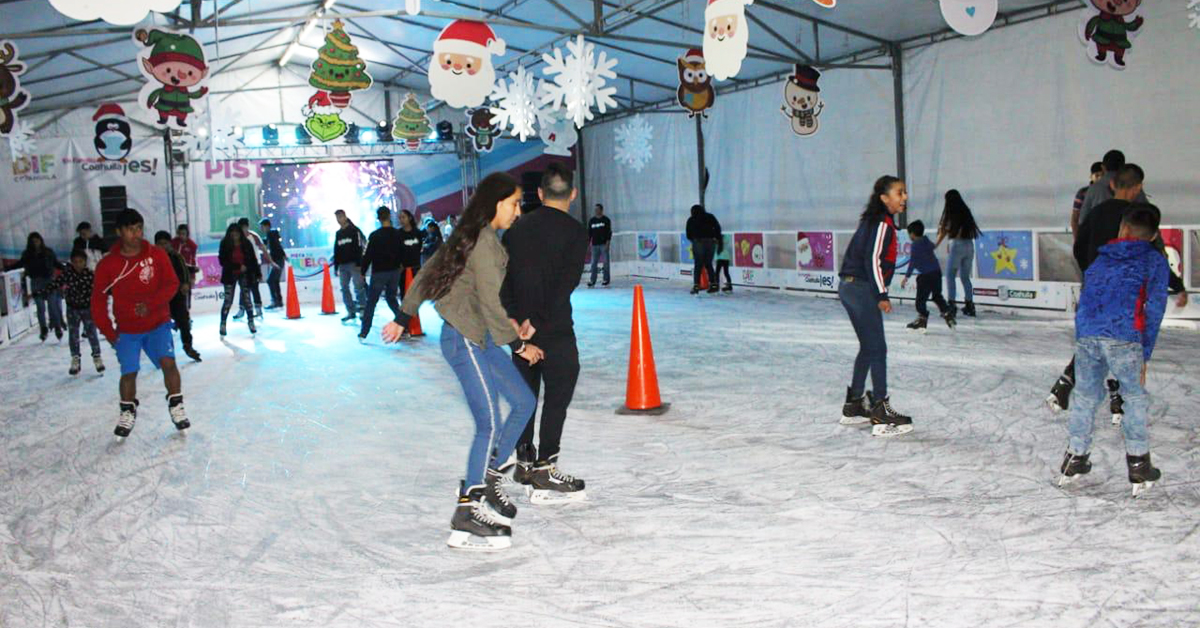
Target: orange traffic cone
x,y
293,298
641,391
414,323
327,294
704,279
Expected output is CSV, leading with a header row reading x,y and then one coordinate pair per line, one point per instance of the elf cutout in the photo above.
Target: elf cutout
x,y
175,62
1106,30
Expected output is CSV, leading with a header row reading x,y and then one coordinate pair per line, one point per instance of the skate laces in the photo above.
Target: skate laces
x,y
127,418
483,515
177,412
560,476
498,492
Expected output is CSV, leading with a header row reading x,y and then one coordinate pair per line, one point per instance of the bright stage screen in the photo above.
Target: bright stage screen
x,y
300,199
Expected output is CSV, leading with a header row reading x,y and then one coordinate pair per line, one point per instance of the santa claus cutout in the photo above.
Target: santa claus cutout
x,y
461,71
726,37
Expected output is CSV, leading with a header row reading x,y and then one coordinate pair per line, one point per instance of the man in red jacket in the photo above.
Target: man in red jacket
x,y
139,278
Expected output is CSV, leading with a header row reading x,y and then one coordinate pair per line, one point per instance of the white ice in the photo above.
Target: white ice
x,y
316,485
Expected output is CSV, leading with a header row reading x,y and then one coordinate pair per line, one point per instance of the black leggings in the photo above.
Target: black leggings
x,y
245,301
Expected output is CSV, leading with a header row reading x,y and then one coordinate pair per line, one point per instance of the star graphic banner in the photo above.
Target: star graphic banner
x,y
1005,255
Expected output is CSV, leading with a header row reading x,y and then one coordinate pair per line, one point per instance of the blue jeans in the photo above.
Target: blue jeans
x,y
51,299
600,251
386,283
347,274
486,373
1094,358
962,260
859,300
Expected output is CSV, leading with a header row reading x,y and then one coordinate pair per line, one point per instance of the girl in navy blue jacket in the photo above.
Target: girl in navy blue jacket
x,y
867,268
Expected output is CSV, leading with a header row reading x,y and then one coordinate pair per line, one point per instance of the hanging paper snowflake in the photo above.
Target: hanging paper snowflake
x,y
517,104
633,143
579,81
20,140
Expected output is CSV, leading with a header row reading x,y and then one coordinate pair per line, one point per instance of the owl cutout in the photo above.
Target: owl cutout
x,y
695,92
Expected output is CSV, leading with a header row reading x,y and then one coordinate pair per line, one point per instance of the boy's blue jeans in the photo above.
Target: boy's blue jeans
x,y
1094,358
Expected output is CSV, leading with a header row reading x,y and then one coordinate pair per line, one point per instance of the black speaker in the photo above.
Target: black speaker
x,y
445,131
112,202
530,182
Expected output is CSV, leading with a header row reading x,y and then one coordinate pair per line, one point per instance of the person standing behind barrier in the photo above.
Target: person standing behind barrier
x,y
348,248
704,231
958,224
40,263
383,259
600,234
278,259
724,257
410,246
91,244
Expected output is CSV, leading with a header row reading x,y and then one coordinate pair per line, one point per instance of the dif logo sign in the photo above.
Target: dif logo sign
x,y
35,168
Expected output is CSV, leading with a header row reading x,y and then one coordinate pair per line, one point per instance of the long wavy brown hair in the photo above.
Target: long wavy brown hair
x,y
451,258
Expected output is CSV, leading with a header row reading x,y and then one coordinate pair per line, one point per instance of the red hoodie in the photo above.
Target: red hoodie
x,y
143,279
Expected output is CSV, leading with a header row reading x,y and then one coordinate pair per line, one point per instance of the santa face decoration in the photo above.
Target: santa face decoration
x,y
726,37
802,100
461,72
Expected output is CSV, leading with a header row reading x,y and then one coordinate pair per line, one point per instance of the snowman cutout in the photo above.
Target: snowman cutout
x,y
558,134
802,103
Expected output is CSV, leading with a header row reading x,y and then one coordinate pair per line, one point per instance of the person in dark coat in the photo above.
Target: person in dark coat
x,y
704,231
179,303
40,263
433,240
239,263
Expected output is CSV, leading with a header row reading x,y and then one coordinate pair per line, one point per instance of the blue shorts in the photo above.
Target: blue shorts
x,y
158,343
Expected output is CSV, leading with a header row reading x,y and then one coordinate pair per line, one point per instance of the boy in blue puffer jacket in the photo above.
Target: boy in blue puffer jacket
x,y
1120,309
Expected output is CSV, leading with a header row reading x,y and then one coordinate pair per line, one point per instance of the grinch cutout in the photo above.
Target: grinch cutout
x,y
802,102
1107,27
695,93
322,119
481,128
12,97
726,37
175,65
969,17
557,133
461,71
411,124
114,136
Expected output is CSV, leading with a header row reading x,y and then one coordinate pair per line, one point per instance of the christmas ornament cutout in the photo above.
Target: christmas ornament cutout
x,y
518,104
461,72
1106,28
695,93
726,37
411,124
119,12
12,97
633,143
802,102
337,71
322,119
481,128
114,135
969,17
175,66
557,133
579,81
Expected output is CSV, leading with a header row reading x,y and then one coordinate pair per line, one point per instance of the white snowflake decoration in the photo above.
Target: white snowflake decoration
x,y
20,140
1194,16
579,81
517,104
633,143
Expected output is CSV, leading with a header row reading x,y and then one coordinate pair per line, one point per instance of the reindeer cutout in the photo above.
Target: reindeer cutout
x,y
12,97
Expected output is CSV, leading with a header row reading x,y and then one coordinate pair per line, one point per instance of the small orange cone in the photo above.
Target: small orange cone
x,y
293,298
641,391
327,294
704,279
414,323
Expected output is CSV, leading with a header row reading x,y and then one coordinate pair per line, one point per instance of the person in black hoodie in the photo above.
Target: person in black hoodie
x,y
179,303
704,231
867,268
382,259
278,258
600,233
348,248
239,263
433,240
90,243
76,281
410,247
40,263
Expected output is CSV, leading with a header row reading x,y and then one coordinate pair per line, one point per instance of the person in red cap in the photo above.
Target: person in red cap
x,y
461,71
141,283
177,62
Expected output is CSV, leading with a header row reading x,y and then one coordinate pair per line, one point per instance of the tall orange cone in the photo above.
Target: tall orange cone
x,y
414,323
327,306
704,279
293,297
641,391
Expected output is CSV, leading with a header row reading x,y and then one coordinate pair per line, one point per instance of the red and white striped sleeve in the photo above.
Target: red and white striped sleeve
x,y
877,252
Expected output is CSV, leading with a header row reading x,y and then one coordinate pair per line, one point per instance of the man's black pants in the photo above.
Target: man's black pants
x,y
560,372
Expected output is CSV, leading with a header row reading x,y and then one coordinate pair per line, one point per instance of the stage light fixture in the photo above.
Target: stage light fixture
x,y
302,136
384,131
368,136
270,135
352,132
444,131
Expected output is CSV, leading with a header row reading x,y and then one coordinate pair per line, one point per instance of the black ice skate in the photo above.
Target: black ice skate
x,y
728,289
178,414
856,410
951,321
250,324
969,309
127,419
191,353
496,499
99,364
1060,394
886,422
475,528
45,331
347,318
58,333
258,312
1073,466
919,325
695,291
75,367
522,471
1116,404
712,289
223,328
548,485
1142,474
241,313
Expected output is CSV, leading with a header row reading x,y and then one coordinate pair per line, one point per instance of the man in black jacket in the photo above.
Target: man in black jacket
x,y
545,263
600,233
382,258
278,259
348,247
704,232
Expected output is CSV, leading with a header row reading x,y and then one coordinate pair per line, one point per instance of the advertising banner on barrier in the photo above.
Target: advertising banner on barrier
x,y
19,316
1005,255
648,247
748,250
305,262
814,251
1173,241
686,256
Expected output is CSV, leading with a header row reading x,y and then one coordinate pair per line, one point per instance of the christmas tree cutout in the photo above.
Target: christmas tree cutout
x,y
411,124
338,69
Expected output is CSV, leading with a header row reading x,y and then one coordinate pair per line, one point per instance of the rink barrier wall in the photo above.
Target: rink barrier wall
x,y
1032,269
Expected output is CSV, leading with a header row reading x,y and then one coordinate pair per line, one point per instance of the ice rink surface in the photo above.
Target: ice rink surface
x,y
316,485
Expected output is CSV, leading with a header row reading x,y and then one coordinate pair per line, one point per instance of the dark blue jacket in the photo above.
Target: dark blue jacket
x,y
1124,294
921,258
871,255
